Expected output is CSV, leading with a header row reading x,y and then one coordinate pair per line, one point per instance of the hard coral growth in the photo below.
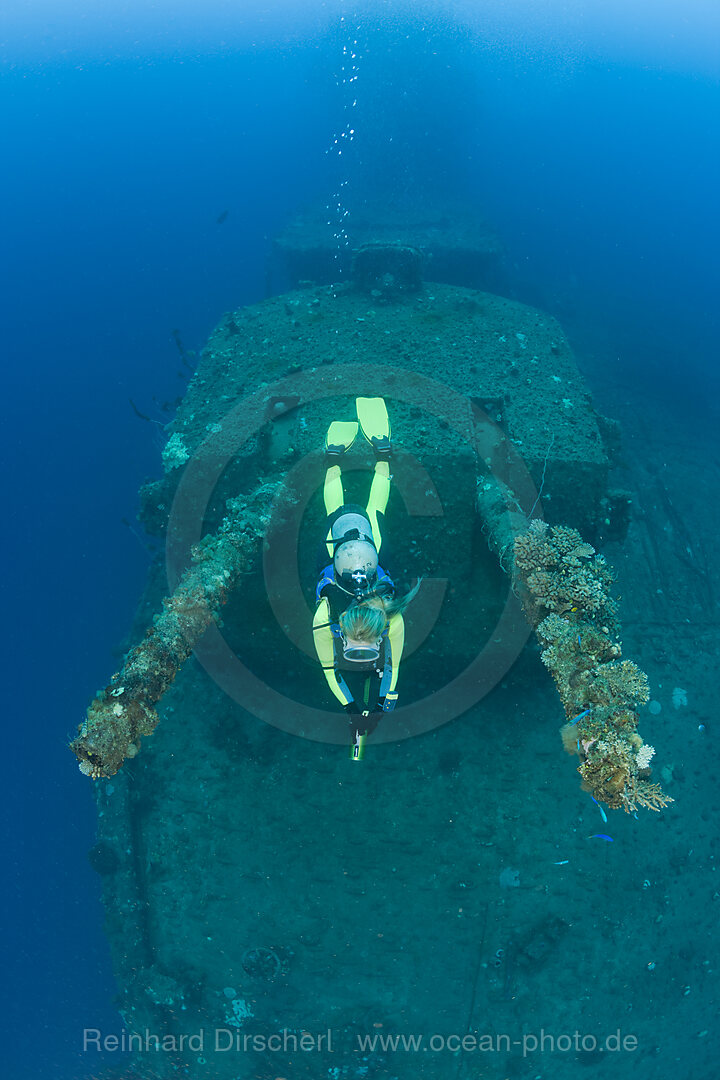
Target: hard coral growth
x,y
175,452
562,572
565,588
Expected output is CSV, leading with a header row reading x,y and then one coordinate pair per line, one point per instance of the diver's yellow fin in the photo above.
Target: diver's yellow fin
x,y
375,423
340,437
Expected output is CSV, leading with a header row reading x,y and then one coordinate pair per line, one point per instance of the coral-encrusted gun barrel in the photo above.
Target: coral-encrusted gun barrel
x,y
125,710
567,596
565,589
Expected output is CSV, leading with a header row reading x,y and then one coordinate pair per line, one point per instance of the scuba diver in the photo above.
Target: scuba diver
x,y
358,627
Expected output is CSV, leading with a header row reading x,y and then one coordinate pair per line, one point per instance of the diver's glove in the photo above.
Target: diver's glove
x,y
364,724
361,721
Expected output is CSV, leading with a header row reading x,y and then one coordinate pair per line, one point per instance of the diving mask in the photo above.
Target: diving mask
x,y
361,652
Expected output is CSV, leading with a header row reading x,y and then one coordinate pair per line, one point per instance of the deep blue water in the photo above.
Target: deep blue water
x,y
597,164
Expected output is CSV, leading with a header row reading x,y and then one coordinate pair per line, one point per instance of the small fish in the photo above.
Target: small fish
x,y
579,640
603,815
580,716
601,836
563,862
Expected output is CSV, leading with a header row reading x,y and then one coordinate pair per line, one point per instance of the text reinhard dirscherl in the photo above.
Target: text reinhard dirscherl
x,y
228,1040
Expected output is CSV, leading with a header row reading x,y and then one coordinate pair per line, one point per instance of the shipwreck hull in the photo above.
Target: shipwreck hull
x,y
258,882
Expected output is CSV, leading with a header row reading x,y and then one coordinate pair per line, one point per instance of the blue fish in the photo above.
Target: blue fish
x,y
579,717
602,812
601,836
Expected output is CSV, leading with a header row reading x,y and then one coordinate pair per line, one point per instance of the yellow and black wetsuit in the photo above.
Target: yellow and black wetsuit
x,y
368,686
359,687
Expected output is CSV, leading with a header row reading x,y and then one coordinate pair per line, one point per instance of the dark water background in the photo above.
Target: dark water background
x,y
591,144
